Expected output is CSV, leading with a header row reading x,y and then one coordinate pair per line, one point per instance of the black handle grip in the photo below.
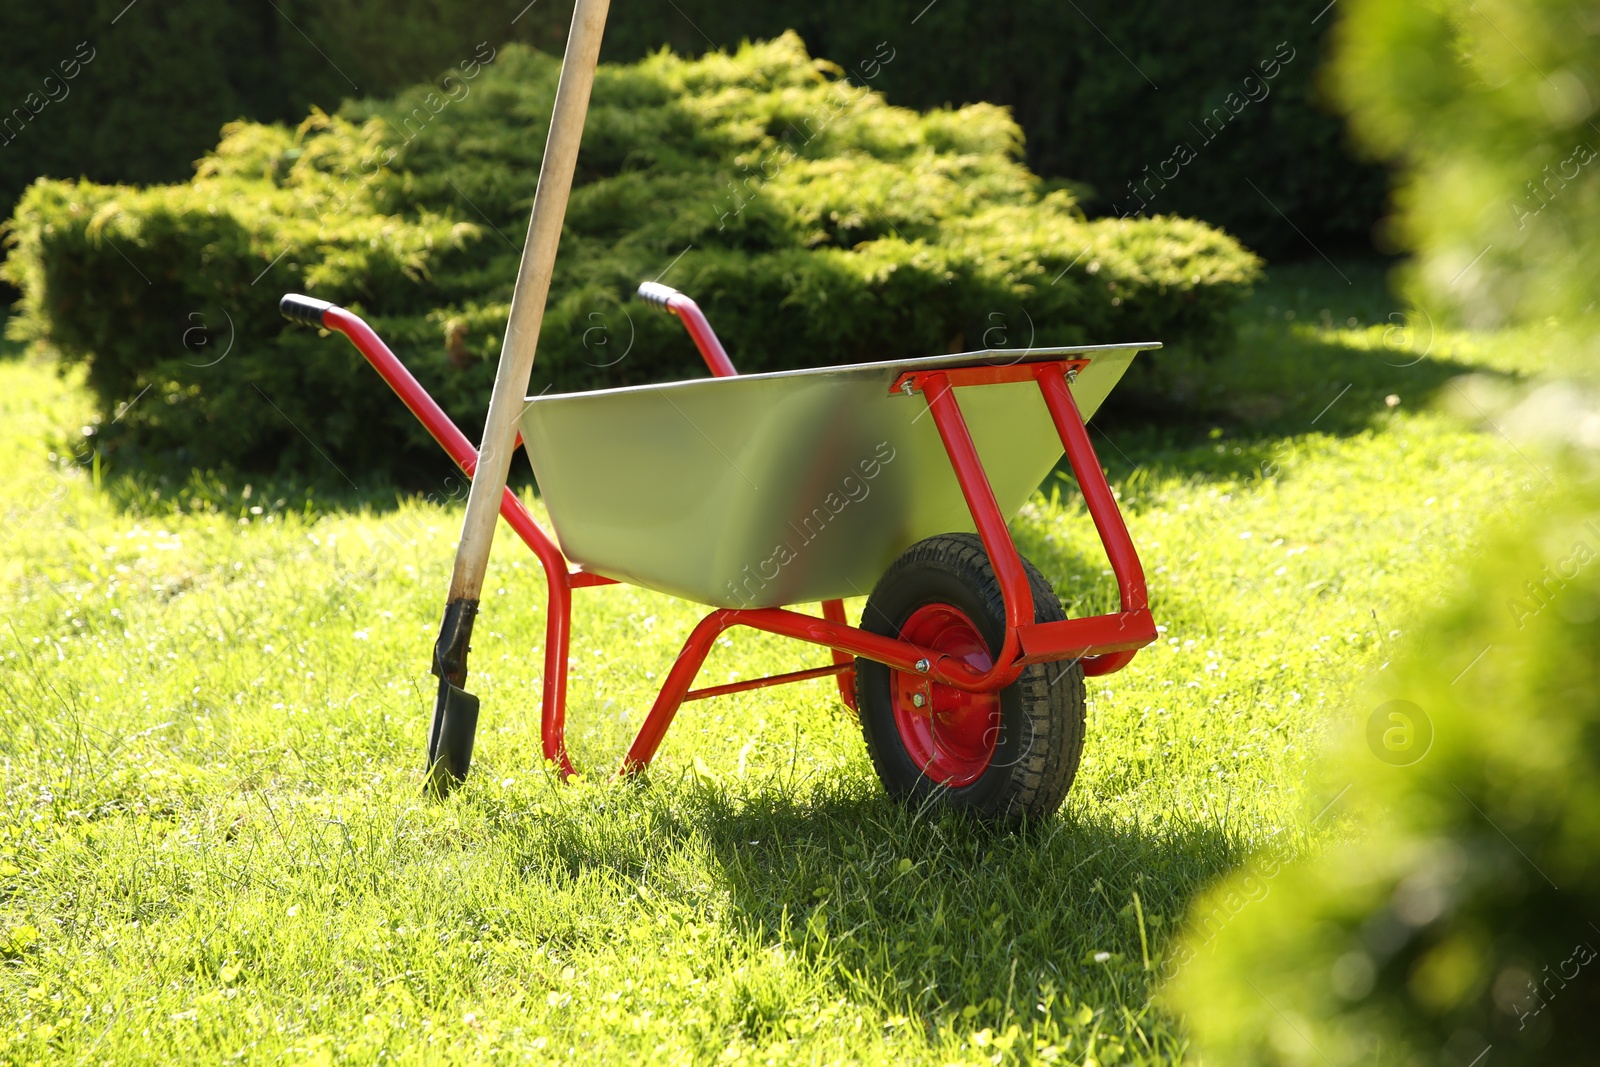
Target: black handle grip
x,y
656,293
303,309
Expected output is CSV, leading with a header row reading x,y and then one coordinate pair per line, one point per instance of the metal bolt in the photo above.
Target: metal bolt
x,y
907,388
922,666
918,700
1072,375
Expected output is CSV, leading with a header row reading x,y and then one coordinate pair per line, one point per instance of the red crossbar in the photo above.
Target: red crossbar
x,y
769,680
912,381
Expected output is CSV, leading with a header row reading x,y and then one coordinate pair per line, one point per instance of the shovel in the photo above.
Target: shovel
x,y
455,711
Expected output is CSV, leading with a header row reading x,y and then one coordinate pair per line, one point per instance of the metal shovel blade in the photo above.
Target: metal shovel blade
x,y
455,723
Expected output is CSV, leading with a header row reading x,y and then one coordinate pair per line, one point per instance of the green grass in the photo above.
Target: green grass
x,y
214,846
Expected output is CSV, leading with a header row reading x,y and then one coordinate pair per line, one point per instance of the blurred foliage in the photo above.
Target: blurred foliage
x,y
1462,915
1457,923
1081,79
1489,109
815,223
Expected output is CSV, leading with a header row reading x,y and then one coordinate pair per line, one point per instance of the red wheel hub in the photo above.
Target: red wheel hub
x,y
949,734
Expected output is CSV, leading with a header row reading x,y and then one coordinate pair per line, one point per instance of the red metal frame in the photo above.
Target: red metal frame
x,y
1103,643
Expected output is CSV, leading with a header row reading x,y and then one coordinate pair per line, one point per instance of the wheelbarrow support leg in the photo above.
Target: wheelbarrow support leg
x,y
833,611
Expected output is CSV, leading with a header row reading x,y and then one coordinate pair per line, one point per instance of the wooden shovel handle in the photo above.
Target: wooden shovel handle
x,y
528,299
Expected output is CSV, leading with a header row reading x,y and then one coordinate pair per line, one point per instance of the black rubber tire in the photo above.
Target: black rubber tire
x,y
1041,713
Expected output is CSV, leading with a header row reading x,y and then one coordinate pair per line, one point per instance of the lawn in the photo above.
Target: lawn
x,y
214,845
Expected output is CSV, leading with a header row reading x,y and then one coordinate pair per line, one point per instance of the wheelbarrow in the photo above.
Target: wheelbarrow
x,y
753,493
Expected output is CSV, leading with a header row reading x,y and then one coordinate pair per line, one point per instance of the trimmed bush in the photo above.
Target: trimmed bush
x,y
815,223
167,76
1105,89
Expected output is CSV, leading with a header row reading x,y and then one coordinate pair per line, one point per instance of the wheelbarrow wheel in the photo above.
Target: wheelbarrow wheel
x,y
1004,756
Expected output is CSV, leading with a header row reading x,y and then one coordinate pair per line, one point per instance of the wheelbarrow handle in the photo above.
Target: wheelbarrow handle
x,y
694,320
307,310
656,293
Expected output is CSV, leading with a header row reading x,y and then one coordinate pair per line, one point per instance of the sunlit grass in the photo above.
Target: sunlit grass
x,y
215,847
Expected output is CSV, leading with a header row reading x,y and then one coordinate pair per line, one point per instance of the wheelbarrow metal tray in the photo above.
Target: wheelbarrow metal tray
x,y
785,488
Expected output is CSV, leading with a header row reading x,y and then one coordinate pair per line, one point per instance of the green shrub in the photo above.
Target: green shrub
x,y
814,222
167,75
1104,89
1488,108
1456,922
161,79
1461,914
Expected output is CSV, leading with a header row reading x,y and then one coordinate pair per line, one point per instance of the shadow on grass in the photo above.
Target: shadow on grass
x,y
1279,380
1320,348
924,909
157,489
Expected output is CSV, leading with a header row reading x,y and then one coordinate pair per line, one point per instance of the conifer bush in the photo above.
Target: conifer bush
x,y
815,224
